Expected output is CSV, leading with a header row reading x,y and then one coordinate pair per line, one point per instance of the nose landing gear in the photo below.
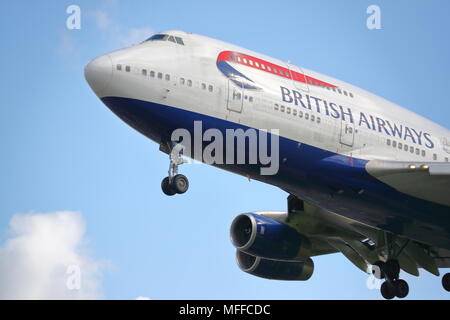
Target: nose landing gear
x,y
175,183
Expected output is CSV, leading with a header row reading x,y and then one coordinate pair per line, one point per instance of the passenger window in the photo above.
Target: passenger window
x,y
152,74
182,81
210,88
306,116
167,77
239,59
276,107
245,61
318,119
179,40
172,39
250,99
434,156
119,67
294,112
257,64
189,83
263,67
411,149
339,90
144,72
394,143
282,109
269,68
405,147
388,141
314,118
423,153
251,62
300,114
288,110
159,75
400,145
127,68
238,96
417,151
446,159
203,86
351,94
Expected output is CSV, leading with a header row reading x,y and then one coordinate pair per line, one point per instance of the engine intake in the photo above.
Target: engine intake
x,y
263,237
273,269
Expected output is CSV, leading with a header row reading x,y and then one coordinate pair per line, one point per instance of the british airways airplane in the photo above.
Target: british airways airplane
x,y
365,177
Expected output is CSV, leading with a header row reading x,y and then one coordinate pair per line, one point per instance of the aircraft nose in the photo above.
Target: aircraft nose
x,y
98,74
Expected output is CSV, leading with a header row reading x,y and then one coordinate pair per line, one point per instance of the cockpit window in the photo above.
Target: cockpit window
x,y
161,37
166,37
179,41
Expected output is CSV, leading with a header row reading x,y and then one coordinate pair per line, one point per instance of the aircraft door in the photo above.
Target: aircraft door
x,y
235,97
298,78
347,135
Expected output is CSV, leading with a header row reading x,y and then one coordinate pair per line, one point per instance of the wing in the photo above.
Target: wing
x,y
425,180
360,244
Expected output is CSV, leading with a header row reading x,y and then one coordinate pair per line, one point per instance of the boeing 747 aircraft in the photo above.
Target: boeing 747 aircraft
x,y
365,177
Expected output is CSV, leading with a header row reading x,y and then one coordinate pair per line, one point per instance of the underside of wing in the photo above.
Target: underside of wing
x,y
424,180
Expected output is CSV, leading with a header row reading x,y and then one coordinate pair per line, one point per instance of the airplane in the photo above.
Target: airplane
x,y
364,176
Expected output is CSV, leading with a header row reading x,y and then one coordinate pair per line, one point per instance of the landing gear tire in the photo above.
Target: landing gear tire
x,y
401,288
392,269
180,184
378,270
388,290
446,281
167,187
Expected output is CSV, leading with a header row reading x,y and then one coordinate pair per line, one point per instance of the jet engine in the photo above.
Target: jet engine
x,y
260,236
273,269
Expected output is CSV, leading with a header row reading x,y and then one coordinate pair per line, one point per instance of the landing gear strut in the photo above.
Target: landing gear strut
x,y
175,183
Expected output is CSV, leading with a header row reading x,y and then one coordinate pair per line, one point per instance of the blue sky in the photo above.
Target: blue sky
x,y
63,150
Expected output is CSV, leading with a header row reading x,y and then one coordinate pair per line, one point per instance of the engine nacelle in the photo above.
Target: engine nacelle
x,y
273,269
263,237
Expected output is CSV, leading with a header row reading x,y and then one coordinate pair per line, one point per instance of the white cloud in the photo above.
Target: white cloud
x,y
42,256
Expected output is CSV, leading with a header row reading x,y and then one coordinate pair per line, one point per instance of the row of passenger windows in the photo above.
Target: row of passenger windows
x,y
335,89
411,149
238,96
296,112
203,86
285,73
160,75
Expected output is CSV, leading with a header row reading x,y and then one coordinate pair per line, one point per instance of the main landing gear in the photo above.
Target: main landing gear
x,y
446,281
175,183
393,286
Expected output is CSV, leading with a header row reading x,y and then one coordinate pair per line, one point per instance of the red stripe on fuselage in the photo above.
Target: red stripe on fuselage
x,y
256,63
